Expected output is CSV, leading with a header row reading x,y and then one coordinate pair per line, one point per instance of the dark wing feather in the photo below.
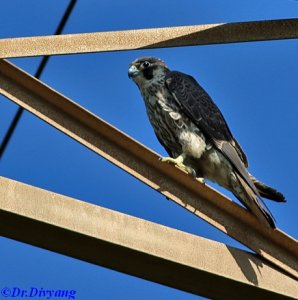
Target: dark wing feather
x,y
199,107
193,98
169,151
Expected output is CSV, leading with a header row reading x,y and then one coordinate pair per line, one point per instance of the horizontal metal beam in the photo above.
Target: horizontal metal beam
x,y
137,247
150,38
134,158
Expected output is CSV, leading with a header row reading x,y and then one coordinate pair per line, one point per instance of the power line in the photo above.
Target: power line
x,y
38,73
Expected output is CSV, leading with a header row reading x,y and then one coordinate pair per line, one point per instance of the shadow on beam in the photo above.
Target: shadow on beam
x,y
235,33
144,249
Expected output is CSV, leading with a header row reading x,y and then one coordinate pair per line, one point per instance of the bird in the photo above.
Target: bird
x,y
196,136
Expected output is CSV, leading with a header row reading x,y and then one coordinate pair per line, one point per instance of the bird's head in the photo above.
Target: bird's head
x,y
147,70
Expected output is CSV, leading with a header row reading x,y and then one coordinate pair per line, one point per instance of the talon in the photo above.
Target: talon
x,y
192,173
201,179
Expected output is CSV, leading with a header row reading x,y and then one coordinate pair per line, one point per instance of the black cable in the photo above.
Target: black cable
x,y
38,73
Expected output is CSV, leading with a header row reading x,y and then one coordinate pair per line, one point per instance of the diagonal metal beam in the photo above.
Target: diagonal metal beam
x,y
144,249
150,38
134,158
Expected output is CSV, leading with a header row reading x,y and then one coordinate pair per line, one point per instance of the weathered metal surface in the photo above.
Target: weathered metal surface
x,y
150,38
137,247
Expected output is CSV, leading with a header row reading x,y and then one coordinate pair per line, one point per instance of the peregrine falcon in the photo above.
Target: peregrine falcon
x,y
195,134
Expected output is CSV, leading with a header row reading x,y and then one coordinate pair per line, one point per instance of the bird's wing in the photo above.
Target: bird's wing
x,y
203,112
169,151
197,105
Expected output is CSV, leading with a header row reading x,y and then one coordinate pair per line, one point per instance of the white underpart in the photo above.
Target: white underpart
x,y
192,144
218,169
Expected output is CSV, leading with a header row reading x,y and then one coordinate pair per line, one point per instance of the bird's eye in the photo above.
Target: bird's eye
x,y
145,64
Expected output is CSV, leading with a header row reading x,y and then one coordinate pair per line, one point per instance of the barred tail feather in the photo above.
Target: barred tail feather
x,y
267,191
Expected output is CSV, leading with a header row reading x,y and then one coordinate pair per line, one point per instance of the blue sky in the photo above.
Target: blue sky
x,y
254,84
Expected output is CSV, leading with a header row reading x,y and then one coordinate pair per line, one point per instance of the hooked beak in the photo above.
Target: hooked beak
x,y
132,71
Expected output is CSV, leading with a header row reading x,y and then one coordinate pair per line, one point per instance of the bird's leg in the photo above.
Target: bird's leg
x,y
179,162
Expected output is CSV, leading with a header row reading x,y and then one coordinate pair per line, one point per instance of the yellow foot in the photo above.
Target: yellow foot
x,y
174,161
179,163
201,179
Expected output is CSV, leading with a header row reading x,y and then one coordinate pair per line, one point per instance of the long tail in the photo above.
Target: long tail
x,y
267,191
252,201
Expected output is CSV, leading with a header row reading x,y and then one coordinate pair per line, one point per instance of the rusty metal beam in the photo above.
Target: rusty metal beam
x,y
144,249
134,158
150,38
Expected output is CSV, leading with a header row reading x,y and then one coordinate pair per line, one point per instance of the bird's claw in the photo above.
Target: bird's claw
x,y
201,180
192,173
179,163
